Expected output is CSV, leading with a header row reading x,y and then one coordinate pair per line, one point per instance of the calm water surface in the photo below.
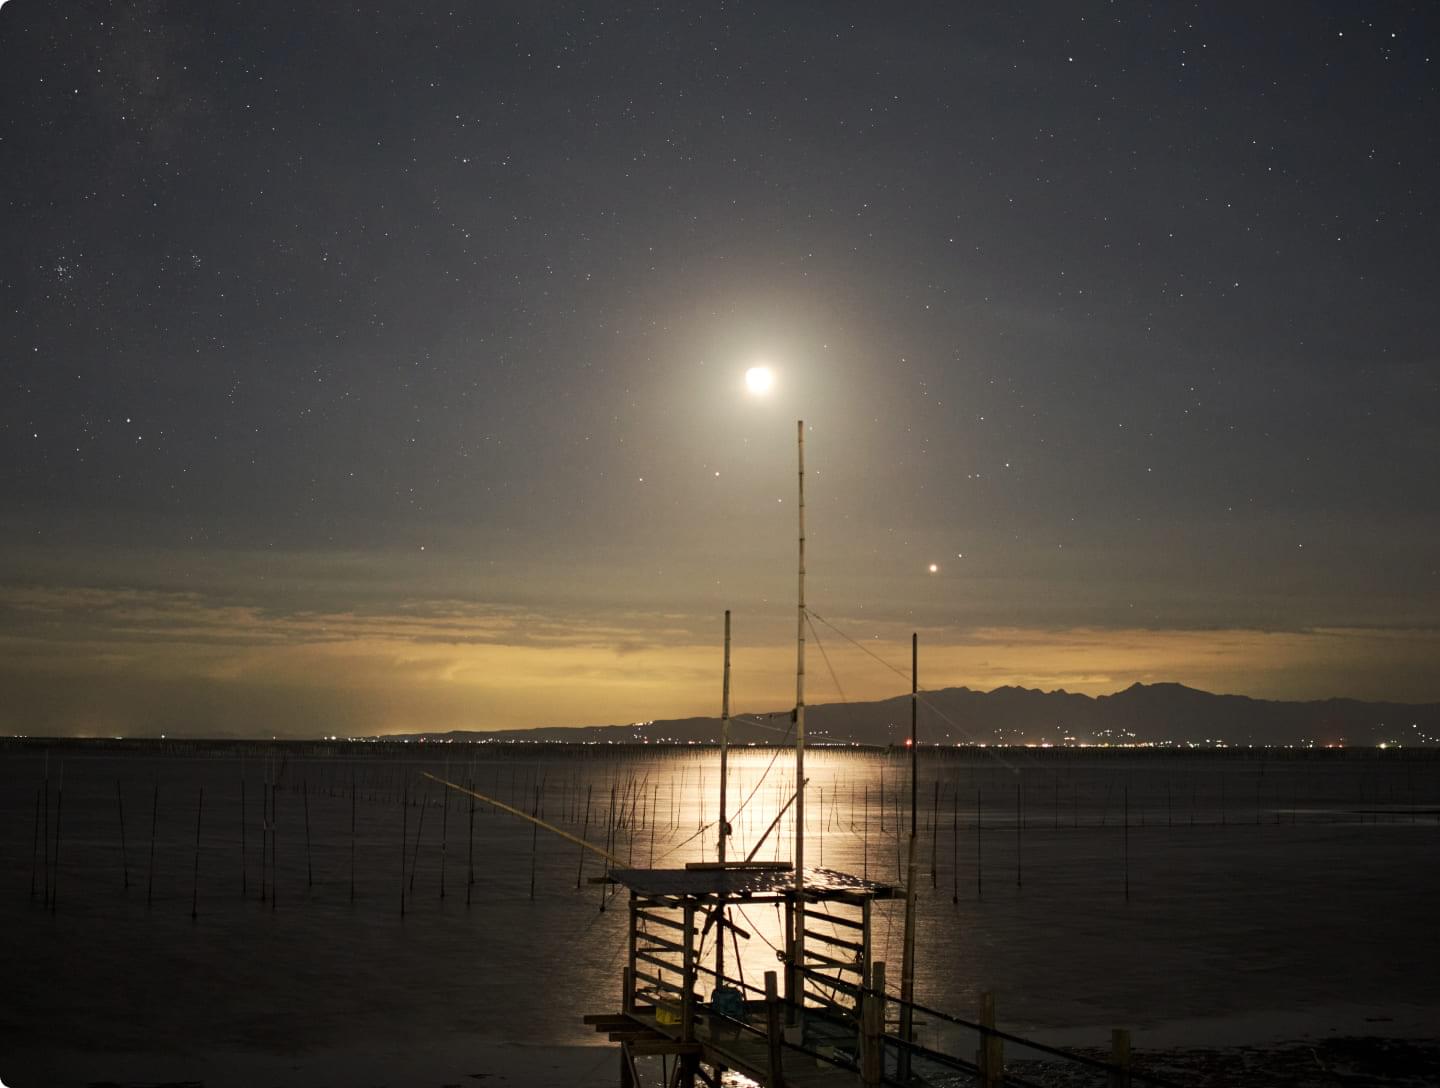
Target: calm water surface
x,y
1084,888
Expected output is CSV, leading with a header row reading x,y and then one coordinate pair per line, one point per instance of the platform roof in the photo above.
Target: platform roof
x,y
738,883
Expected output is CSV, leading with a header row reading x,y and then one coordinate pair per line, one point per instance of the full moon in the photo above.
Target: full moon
x,y
934,568
759,379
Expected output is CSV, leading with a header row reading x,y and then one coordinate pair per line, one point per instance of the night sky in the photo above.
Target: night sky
x,y
374,369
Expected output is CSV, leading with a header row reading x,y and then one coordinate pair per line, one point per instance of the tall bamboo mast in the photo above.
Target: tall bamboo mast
x,y
724,825
799,913
724,743
907,961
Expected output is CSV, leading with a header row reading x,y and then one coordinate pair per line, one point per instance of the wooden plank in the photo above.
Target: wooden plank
x,y
832,963
850,923
838,942
659,984
664,965
646,916
831,1008
660,942
660,1045
607,1018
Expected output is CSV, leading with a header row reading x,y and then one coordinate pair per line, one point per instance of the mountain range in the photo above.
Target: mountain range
x,y
1148,714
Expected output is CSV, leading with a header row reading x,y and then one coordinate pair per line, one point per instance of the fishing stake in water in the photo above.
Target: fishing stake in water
x,y
503,807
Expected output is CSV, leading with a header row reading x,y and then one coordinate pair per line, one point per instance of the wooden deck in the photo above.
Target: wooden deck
x,y
721,1043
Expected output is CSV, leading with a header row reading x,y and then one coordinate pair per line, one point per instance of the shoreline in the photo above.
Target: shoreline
x,y
1313,1048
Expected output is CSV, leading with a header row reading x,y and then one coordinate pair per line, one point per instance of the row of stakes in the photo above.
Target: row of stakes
x,y
634,809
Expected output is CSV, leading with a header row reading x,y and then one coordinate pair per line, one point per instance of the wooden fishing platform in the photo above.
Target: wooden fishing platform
x,y
828,1021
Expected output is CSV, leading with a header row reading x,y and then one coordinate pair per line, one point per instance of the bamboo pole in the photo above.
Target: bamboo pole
x,y
444,839
872,1058
1019,832
991,1058
526,816
609,843
265,833
865,837
154,816
124,860
45,834
404,842
979,849
195,875
470,843
775,1070
274,840
55,861
935,836
912,893
352,833
955,844
309,862
724,832
1119,1058
534,839
584,831
35,847
242,835
793,980
419,833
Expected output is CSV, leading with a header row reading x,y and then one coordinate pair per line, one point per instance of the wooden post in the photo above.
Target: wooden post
x,y
309,863
264,832
45,833
195,874
154,813
124,861
979,848
628,1078
55,860
872,1027
585,834
991,1056
35,845
865,837
907,972
935,835
627,980
404,843
352,833
609,843
687,976
274,828
419,832
775,1073
242,835
470,842
1019,831
534,839
444,835
1119,1058
792,994
955,846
